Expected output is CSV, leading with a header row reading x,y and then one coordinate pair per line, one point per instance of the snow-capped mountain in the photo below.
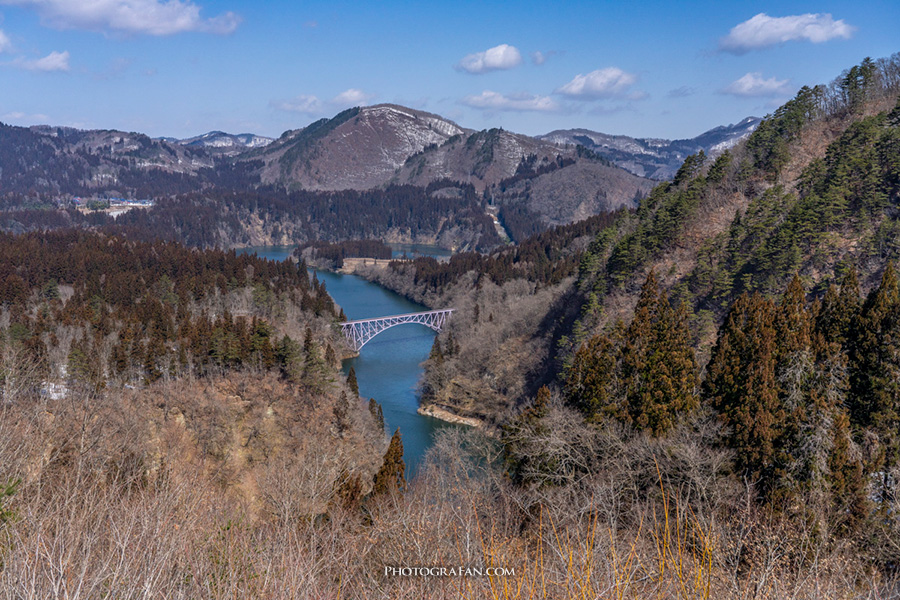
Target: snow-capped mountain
x,y
226,143
359,148
654,158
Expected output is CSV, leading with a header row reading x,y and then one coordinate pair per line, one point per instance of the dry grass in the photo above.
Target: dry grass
x,y
106,510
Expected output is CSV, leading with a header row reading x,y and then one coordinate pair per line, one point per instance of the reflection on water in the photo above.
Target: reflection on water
x,y
389,367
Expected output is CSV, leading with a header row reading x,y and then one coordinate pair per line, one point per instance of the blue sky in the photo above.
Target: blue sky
x,y
652,69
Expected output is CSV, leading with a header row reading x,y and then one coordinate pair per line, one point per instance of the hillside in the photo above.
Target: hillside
x,y
812,192
374,146
49,162
735,337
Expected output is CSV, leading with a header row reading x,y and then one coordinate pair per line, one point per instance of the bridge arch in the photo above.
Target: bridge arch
x,y
361,331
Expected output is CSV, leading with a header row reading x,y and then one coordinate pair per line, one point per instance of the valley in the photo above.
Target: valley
x,y
672,366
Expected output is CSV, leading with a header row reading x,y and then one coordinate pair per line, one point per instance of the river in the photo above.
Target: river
x,y
388,367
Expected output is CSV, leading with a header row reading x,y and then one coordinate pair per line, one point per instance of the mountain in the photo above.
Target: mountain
x,y
528,183
653,158
227,144
363,148
47,162
360,148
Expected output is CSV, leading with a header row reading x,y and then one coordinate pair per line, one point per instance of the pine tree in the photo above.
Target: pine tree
x,y
352,383
377,414
741,387
390,477
591,382
875,367
342,414
658,366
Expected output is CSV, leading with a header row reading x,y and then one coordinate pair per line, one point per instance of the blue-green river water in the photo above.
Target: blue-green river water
x,y
388,367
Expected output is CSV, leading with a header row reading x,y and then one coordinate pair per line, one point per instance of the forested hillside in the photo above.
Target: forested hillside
x,y
382,171
811,194
147,383
98,311
227,218
735,337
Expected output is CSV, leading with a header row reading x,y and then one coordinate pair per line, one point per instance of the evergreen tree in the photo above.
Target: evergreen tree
x,y
658,366
670,379
875,367
377,413
838,310
850,501
289,356
811,391
390,477
436,353
741,387
315,372
352,383
342,414
591,383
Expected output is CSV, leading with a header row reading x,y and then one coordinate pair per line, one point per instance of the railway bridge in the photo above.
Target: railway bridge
x,y
361,331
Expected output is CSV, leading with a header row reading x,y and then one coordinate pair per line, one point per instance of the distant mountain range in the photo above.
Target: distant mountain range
x,y
364,148
653,158
551,179
219,142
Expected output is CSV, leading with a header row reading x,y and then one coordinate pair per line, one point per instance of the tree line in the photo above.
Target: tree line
x,y
137,312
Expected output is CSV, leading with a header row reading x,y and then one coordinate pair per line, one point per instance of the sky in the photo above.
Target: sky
x,y
647,69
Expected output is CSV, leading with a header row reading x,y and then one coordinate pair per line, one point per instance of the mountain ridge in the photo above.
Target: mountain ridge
x,y
654,158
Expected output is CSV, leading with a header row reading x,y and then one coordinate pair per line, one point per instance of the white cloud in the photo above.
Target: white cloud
x,y
5,43
521,102
309,104
497,58
539,58
610,82
55,61
151,17
20,117
351,97
753,85
763,31
303,103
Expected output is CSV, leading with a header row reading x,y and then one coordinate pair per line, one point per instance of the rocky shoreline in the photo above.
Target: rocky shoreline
x,y
432,410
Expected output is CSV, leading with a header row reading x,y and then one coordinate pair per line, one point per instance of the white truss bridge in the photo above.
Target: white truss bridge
x,y
359,332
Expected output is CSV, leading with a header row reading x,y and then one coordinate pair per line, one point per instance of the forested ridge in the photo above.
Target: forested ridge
x,y
137,312
225,217
750,305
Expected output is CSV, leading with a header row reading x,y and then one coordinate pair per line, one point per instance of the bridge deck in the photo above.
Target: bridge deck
x,y
405,315
360,331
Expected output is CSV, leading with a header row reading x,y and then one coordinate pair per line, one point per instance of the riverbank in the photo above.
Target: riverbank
x,y
442,414
354,266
